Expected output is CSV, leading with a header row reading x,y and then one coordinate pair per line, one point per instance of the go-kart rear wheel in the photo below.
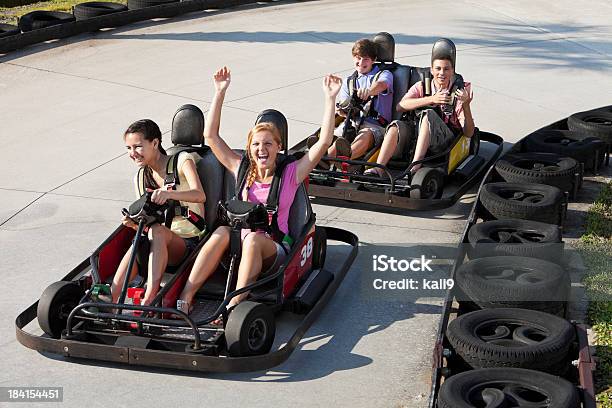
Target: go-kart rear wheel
x,y
427,182
250,329
55,304
320,248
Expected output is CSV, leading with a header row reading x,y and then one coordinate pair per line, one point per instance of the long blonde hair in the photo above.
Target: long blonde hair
x,y
264,126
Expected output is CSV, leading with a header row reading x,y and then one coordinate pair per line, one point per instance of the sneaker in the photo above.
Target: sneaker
x,y
183,306
312,140
343,148
374,171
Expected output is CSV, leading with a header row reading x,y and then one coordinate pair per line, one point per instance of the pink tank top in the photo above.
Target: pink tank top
x,y
258,193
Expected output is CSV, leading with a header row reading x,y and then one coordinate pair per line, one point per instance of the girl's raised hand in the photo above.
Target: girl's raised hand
x,y
331,85
222,79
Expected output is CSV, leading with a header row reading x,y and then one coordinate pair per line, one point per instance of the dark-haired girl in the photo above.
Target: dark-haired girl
x,y
167,246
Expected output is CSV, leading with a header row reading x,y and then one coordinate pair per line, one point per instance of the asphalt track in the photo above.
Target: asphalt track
x,y
64,174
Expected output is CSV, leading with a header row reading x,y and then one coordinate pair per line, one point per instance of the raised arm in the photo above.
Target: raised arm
x,y
331,87
465,97
228,158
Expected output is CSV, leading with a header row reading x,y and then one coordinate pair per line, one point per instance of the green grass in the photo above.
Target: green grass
x,y
596,248
9,15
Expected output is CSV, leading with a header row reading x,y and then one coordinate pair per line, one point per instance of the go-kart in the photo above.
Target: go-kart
x,y
77,323
443,177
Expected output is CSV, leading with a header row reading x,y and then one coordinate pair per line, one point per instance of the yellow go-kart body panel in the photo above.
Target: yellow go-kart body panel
x,y
458,153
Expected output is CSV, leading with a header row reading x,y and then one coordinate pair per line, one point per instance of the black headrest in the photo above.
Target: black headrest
x,y
188,126
444,49
277,119
386,47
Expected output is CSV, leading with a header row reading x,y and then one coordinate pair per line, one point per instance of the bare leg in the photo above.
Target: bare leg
x,y
258,251
206,262
389,145
362,143
422,143
166,247
331,152
120,275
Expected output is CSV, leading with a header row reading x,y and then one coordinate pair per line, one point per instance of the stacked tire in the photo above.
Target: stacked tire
x,y
7,30
551,169
91,9
41,19
588,150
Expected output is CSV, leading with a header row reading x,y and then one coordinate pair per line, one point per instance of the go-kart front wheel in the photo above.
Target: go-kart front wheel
x,y
427,182
250,329
55,304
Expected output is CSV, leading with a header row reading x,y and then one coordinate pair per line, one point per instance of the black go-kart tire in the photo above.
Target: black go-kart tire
x,y
514,281
427,183
41,19
139,4
515,237
250,329
319,250
512,338
91,9
593,123
543,168
8,30
567,143
526,201
507,387
55,304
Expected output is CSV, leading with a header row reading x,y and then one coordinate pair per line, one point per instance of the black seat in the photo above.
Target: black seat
x,y
402,80
188,135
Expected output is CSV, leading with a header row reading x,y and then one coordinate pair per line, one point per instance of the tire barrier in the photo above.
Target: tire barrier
x,y
68,29
499,341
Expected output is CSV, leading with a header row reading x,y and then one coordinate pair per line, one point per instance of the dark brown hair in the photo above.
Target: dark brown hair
x,y
365,48
150,131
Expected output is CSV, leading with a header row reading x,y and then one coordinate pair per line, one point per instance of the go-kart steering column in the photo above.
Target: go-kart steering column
x,y
141,225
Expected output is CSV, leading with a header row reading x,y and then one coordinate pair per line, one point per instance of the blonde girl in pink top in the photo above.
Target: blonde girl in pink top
x,y
259,250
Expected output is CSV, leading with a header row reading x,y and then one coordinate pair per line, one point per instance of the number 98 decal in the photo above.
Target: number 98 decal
x,y
306,252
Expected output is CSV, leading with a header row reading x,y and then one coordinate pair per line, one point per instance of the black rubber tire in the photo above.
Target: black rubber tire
x,y
495,387
605,109
41,19
515,237
514,281
319,250
526,201
55,304
250,329
83,11
517,338
567,143
7,30
596,123
543,168
139,4
427,183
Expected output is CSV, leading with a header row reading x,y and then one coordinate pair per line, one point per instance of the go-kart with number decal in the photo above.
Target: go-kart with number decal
x,y
77,323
